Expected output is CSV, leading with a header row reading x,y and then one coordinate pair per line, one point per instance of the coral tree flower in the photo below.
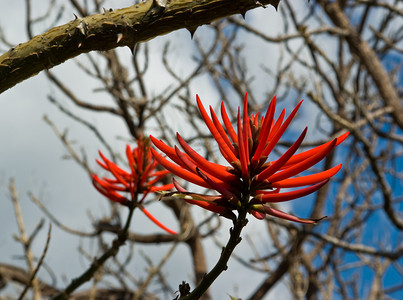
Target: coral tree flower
x,y
142,178
251,180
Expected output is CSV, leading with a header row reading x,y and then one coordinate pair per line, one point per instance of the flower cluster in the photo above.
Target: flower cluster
x,y
250,181
126,186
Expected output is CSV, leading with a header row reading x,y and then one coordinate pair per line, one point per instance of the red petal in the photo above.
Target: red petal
x,y
110,194
303,165
228,125
276,191
265,129
222,131
302,156
242,147
108,184
104,166
158,176
130,159
178,187
158,223
282,160
307,180
216,170
283,215
216,183
165,187
169,151
179,171
220,141
193,168
115,167
219,187
150,166
277,135
188,163
204,201
115,171
281,197
279,214
206,205
246,127
258,215
276,126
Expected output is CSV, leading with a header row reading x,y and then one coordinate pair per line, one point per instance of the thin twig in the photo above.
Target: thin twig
x,y
45,250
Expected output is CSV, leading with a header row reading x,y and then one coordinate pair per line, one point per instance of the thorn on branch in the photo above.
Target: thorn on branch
x,y
156,10
107,10
81,27
192,31
260,4
119,37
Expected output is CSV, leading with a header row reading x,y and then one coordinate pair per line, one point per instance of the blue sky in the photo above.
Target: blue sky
x,y
33,155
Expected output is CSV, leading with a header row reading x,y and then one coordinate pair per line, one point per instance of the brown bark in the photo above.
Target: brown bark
x,y
117,28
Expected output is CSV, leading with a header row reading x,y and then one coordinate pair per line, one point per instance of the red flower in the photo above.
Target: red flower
x,y
141,179
251,180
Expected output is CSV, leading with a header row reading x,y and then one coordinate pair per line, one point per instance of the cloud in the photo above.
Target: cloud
x,y
32,154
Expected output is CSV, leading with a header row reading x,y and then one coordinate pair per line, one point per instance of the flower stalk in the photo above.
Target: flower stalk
x,y
247,149
251,182
221,265
143,178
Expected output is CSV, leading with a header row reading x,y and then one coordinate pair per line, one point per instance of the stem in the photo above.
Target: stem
x,y
97,263
221,265
136,23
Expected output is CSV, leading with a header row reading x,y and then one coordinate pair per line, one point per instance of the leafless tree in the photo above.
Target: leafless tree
x,y
343,57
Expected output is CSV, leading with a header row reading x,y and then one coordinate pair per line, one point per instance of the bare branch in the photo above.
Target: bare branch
x,y
137,23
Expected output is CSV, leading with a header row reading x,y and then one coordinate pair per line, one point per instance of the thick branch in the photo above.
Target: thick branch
x,y
121,27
